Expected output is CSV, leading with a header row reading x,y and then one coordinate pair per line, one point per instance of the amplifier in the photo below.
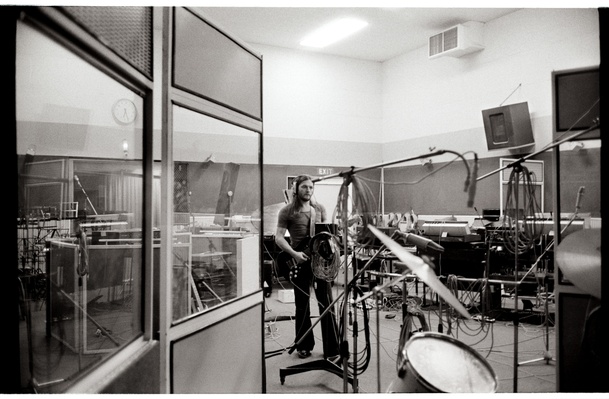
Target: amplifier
x,y
439,227
464,238
491,214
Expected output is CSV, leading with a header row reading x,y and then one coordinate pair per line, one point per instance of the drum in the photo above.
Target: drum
x,y
435,362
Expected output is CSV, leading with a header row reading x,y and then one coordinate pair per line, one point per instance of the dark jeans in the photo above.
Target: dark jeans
x,y
323,294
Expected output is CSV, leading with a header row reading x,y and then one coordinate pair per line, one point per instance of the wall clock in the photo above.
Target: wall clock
x,y
124,111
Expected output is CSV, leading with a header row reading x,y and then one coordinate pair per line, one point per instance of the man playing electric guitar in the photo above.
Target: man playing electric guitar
x,y
299,218
287,266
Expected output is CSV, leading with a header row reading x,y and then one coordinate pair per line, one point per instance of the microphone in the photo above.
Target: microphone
x,y
471,190
580,192
79,184
421,242
85,193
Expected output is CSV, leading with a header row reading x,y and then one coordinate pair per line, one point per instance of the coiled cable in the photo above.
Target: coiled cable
x,y
325,256
517,239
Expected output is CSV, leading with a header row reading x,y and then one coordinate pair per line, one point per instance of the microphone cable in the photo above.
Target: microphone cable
x,y
515,239
357,361
433,172
325,256
363,205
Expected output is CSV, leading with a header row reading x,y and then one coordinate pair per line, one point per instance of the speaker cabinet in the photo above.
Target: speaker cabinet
x,y
508,126
579,366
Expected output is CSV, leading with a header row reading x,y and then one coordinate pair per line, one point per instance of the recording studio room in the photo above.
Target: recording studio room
x,y
230,200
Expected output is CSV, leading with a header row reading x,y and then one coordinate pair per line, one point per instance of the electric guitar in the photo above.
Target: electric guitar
x,y
287,266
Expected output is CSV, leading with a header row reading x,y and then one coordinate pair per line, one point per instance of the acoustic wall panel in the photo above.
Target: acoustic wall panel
x,y
226,357
208,63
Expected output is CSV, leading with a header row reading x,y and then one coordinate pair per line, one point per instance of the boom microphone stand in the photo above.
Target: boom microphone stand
x,y
85,193
346,175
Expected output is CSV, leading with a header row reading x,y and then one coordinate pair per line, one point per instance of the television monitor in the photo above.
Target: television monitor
x,y
576,101
508,126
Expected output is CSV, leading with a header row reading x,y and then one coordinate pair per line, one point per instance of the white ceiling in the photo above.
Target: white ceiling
x,y
391,31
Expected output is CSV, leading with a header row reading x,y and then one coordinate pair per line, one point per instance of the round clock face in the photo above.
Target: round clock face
x,y
124,111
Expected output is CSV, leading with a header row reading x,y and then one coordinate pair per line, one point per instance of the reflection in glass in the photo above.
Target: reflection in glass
x,y
216,197
80,214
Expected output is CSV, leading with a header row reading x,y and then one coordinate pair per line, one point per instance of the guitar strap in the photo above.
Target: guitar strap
x,y
312,223
311,234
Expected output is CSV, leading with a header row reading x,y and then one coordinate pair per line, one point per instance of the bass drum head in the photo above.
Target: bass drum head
x,y
439,363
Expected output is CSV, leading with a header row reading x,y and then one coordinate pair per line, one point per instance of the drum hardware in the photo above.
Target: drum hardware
x,y
377,291
422,270
438,363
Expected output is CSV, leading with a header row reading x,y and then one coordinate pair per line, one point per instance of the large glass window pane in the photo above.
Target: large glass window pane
x,y
79,146
216,212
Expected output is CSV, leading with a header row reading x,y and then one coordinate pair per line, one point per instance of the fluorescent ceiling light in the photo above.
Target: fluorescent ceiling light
x,y
333,32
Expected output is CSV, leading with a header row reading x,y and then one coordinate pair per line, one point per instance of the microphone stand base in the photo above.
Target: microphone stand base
x,y
322,364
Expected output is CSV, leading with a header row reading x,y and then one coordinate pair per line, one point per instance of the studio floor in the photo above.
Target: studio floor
x,y
528,369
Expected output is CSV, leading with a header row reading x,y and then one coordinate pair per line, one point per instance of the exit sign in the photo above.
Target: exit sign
x,y
325,171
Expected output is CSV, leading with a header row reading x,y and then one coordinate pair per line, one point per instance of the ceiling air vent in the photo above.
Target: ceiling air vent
x,y
457,41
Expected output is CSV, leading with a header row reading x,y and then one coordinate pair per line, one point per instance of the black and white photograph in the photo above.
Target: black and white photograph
x,y
305,198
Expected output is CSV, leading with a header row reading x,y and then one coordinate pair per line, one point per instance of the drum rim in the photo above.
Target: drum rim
x,y
425,334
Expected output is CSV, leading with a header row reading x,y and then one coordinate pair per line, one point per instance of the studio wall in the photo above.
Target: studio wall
x,y
443,192
438,102
337,111
425,105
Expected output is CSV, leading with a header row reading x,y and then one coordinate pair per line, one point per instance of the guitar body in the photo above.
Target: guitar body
x,y
287,266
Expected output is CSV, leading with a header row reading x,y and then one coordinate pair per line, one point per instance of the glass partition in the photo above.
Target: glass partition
x,y
79,147
216,219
